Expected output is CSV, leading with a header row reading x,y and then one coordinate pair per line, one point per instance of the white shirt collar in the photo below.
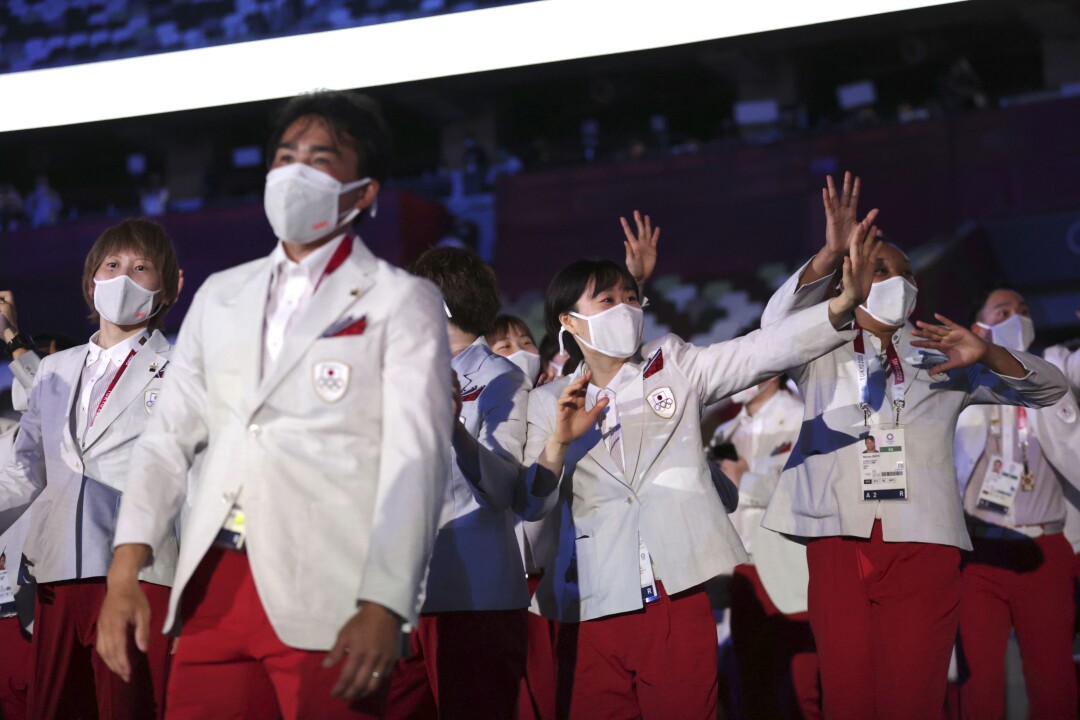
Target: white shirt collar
x,y
118,352
622,378
313,265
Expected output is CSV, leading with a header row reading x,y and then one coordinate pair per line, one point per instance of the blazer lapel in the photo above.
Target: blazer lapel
x,y
337,292
597,450
248,311
74,372
140,371
632,418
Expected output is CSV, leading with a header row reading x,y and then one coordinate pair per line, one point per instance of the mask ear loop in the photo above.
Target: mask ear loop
x,y
562,348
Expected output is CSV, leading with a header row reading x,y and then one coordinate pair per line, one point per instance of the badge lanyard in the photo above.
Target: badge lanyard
x,y
108,390
899,381
1009,426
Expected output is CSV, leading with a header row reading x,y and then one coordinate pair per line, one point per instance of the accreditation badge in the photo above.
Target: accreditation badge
x,y
999,485
883,469
650,593
6,593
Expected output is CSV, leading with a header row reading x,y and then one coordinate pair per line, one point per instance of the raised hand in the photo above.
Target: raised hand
x,y
959,345
840,212
858,268
572,420
640,248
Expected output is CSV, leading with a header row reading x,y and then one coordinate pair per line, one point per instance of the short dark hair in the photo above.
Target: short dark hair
x,y
354,120
568,285
468,286
147,238
984,294
503,325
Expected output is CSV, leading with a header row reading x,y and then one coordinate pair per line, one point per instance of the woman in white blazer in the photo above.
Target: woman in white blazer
x,y
1015,469
615,464
884,588
87,407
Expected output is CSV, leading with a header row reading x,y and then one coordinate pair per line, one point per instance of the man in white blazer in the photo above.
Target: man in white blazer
x,y
884,587
631,500
316,382
1014,468
87,408
770,631
468,651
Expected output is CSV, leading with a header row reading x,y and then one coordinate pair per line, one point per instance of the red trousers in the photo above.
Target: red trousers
x,y
1026,584
229,662
67,676
536,697
15,654
463,665
774,654
885,617
657,662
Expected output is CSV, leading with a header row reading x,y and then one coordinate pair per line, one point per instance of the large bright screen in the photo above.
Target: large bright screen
x,y
453,43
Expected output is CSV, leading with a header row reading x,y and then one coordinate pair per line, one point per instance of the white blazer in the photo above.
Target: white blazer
x,y
765,440
1067,361
78,484
666,495
476,563
342,474
819,494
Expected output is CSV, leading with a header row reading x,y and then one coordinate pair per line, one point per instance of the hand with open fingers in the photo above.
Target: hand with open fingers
x,y
125,607
858,271
959,345
640,247
572,420
841,212
369,644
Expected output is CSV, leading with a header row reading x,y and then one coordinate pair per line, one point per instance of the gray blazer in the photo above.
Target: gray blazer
x,y
76,486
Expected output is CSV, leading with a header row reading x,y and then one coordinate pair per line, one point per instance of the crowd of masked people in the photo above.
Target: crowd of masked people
x,y
350,490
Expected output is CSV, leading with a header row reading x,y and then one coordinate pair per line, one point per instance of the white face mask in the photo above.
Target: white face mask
x,y
122,301
615,332
891,301
527,361
743,397
1016,333
301,203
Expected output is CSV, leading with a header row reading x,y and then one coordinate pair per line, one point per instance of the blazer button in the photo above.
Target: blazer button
x,y
254,430
629,501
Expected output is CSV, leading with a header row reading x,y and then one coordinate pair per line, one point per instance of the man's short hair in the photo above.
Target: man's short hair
x,y
468,286
355,121
142,237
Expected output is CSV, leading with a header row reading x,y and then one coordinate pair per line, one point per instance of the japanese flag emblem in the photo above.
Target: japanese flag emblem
x,y
149,400
662,402
331,380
